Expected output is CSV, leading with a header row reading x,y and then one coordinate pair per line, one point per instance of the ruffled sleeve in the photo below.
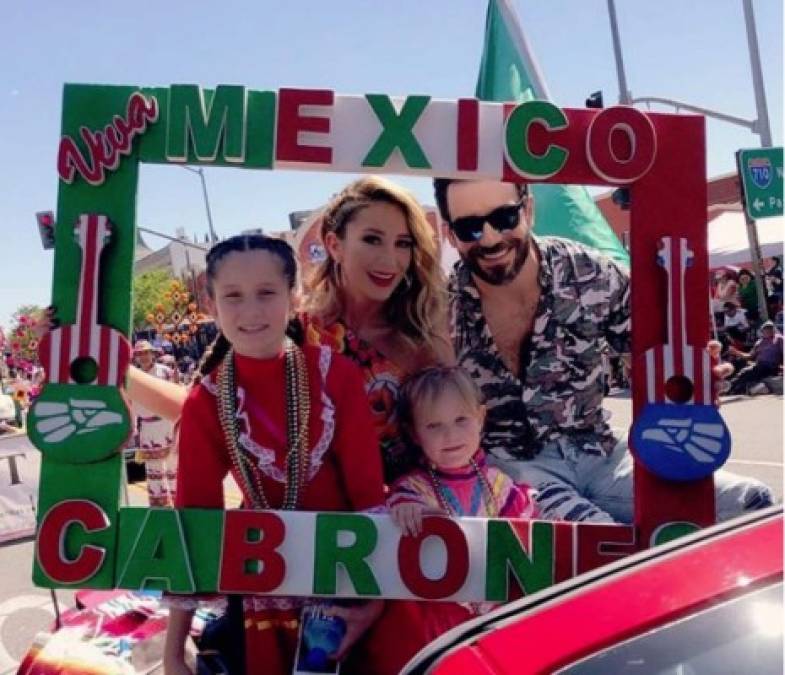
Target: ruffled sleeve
x,y
203,459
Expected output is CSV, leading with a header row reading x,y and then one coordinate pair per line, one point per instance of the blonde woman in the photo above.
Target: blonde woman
x,y
379,297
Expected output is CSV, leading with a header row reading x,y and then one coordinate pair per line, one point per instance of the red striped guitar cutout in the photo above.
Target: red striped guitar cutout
x,y
679,434
81,414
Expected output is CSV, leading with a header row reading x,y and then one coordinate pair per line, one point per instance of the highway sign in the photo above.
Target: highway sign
x,y
760,172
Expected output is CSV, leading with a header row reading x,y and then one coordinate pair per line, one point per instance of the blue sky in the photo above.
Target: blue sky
x,y
693,51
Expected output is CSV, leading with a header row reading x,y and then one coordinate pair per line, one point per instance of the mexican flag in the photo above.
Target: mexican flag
x,y
508,72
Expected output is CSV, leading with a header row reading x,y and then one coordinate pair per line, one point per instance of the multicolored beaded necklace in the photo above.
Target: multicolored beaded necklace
x,y
298,408
450,503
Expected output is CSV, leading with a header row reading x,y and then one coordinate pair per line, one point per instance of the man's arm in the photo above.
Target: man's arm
x,y
617,324
747,356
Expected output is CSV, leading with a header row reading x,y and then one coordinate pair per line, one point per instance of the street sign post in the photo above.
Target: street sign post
x,y
760,172
760,175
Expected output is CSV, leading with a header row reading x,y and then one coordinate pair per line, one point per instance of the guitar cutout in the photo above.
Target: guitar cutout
x,y
679,434
80,415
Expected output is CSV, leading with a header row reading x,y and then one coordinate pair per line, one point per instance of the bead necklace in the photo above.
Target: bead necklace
x,y
444,496
298,407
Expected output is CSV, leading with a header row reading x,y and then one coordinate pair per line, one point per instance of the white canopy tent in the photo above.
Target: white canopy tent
x,y
729,244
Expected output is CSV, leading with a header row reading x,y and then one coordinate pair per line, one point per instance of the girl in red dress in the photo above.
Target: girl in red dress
x,y
292,424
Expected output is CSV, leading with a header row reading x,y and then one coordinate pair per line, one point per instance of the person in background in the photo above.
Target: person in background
x,y
155,435
773,277
748,295
734,325
170,362
727,288
722,369
766,357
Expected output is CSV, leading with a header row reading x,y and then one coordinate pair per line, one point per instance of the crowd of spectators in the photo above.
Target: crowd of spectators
x,y
748,347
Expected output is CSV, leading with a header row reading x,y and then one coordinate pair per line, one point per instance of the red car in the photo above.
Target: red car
x,y
710,602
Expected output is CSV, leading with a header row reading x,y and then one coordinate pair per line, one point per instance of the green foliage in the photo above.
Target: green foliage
x,y
22,338
150,290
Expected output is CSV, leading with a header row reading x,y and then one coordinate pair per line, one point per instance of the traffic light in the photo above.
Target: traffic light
x,y
595,100
46,228
621,197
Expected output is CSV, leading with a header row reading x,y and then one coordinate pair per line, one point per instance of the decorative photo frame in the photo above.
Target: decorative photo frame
x,y
85,539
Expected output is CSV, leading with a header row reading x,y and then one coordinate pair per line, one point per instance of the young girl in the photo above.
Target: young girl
x,y
277,416
722,369
441,412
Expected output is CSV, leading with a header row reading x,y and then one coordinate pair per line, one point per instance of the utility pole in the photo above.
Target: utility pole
x,y
624,94
200,171
763,129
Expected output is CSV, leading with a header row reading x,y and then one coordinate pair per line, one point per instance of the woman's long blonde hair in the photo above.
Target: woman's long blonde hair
x,y
417,307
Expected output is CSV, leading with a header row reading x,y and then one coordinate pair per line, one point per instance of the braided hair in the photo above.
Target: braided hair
x,y
219,348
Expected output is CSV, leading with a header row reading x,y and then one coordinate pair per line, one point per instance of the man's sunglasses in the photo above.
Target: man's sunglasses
x,y
469,228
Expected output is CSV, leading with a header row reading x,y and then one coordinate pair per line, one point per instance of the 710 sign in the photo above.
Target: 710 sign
x,y
760,171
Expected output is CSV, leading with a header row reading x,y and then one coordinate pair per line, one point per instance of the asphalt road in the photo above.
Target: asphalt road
x,y
756,425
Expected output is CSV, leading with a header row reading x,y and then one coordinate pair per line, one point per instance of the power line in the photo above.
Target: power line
x,y
155,233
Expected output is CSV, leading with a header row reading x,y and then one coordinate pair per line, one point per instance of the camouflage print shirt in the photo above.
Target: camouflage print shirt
x,y
584,307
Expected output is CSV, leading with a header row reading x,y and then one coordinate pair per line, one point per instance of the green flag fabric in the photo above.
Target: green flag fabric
x,y
508,72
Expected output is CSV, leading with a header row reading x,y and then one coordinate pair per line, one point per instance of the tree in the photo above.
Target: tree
x,y
150,290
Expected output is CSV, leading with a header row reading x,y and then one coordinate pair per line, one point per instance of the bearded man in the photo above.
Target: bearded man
x,y
530,318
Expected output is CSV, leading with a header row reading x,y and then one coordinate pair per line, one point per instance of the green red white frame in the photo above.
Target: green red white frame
x,y
85,539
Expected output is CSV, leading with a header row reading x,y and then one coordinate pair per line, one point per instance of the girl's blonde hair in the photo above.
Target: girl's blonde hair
x,y
422,388
417,307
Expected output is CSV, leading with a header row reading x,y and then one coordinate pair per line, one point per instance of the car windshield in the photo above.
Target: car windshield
x,y
743,635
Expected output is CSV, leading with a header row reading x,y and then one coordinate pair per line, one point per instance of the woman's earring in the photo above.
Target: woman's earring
x,y
337,272
407,279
